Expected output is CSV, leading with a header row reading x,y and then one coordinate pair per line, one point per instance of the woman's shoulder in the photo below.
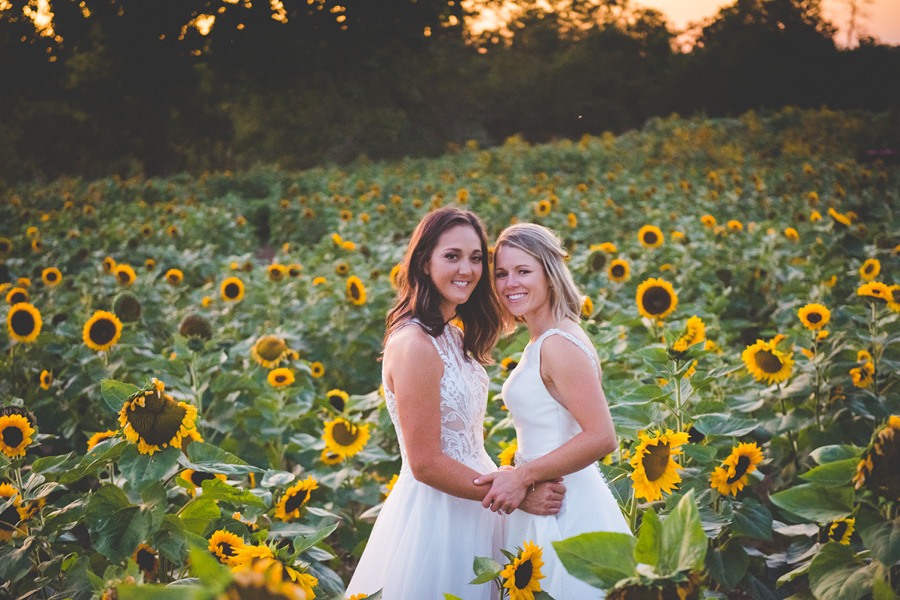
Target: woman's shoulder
x,y
409,337
568,345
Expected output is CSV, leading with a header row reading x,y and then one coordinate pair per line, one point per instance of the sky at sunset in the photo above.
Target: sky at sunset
x,y
881,18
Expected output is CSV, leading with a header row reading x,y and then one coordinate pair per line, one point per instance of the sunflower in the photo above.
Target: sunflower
x,y
23,322
655,469
344,438
734,225
46,379
51,276
814,316
341,268
294,498
147,561
319,281
337,399
395,276
864,375
153,420
596,261
295,269
196,326
542,208
508,455
734,473
174,276
280,377
330,458
196,479
874,289
766,362
587,307
792,234
316,370
127,307
149,264
840,531
102,331
232,289
522,577
650,236
877,468
17,294
6,247
224,545
656,298
870,269
607,247
508,364
146,230
124,274
109,263
708,221
618,270
892,295
276,272
695,332
99,437
16,429
356,291
267,577
12,515
37,245
839,218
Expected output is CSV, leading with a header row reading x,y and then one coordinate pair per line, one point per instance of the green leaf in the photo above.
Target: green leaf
x,y
837,573
724,425
198,514
212,459
832,474
216,489
205,566
815,503
170,539
649,541
115,393
160,592
883,539
15,562
753,520
599,558
304,543
52,464
728,564
145,469
117,537
828,454
104,453
684,542
486,569
704,455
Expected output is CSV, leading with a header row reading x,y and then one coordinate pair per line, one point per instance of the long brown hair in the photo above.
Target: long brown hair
x,y
418,298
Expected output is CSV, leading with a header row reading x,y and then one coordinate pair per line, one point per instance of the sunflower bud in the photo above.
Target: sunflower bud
x,y
127,307
195,326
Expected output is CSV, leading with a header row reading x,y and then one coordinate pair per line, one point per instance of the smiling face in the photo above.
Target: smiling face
x,y
455,267
521,283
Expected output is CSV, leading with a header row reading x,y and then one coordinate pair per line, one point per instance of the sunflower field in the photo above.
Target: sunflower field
x,y
190,401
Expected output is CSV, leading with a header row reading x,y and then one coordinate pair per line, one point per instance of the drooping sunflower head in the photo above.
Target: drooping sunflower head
x,y
269,351
587,307
877,468
522,577
356,291
655,469
733,475
147,561
619,270
17,426
814,316
281,377
695,332
196,326
395,276
51,276
295,498
337,399
128,307
153,419
99,437
225,545
196,479
344,438
102,331
766,362
870,269
656,298
12,516
23,321
650,236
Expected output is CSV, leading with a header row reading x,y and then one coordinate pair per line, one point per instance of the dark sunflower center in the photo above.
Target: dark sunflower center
x,y
657,300
174,278
280,378
655,461
336,401
51,276
295,501
650,237
232,290
344,434
226,549
18,297
740,469
146,560
869,268
618,271
198,477
523,574
124,276
12,436
5,247
22,323
598,260
895,295
838,530
814,317
271,348
158,421
8,518
342,269
354,291
767,361
317,371
275,274
102,332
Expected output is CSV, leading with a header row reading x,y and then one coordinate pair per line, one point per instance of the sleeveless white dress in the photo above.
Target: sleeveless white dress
x,y
542,425
424,541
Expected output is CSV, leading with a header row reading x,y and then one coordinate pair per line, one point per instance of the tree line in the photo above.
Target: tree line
x,y
151,88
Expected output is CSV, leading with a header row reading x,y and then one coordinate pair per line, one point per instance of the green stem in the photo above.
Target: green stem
x,y
679,414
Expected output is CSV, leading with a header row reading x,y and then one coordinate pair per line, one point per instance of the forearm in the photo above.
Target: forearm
x,y
450,476
581,451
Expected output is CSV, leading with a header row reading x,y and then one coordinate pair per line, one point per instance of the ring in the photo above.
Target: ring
x,y
501,511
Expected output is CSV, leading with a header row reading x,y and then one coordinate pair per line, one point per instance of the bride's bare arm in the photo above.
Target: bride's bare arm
x,y
414,370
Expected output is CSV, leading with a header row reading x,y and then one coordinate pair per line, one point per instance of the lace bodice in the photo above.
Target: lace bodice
x,y
464,387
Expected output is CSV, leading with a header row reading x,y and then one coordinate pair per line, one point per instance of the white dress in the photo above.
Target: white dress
x,y
424,541
542,425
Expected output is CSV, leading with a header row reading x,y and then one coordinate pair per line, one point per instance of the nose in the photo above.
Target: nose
x,y
465,267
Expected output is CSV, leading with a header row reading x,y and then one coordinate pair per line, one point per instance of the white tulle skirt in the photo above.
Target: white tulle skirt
x,y
588,506
424,543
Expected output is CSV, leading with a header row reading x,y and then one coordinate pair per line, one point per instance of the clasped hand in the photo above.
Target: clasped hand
x,y
509,492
